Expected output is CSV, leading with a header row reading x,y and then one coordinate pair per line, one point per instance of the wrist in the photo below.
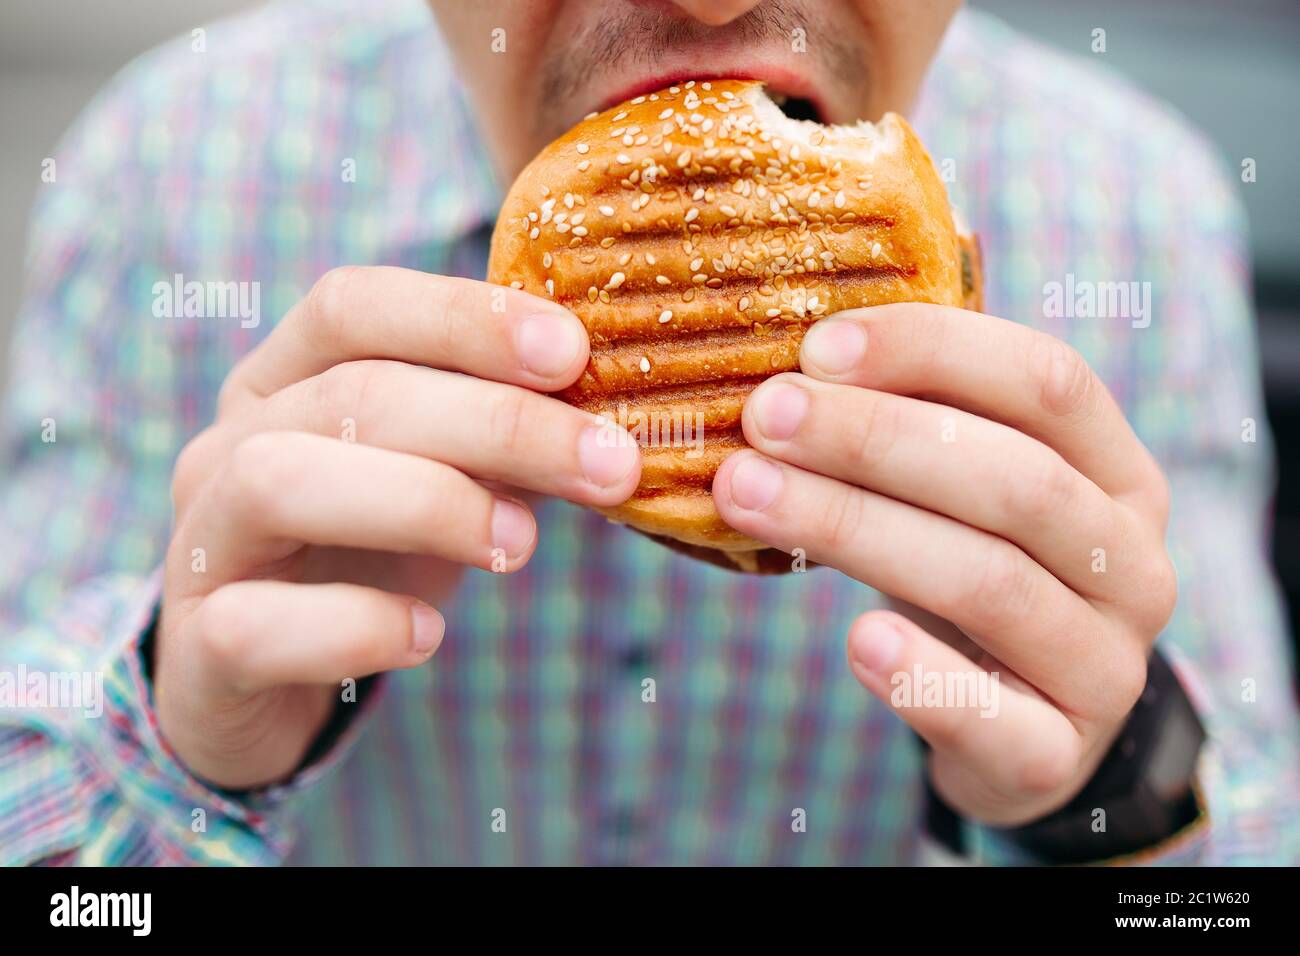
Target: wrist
x,y
1142,793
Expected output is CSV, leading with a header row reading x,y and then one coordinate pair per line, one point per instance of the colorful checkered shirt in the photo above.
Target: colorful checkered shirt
x,y
227,164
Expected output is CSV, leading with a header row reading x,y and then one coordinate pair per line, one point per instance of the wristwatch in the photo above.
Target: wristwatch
x,y
1142,793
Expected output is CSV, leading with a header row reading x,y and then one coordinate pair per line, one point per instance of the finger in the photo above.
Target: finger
x,y
492,431
1014,741
384,312
251,635
983,584
281,490
993,368
977,471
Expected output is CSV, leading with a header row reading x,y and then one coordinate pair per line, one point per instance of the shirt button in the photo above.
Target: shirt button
x,y
635,657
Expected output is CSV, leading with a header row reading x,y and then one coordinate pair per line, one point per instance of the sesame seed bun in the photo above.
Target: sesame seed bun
x,y
697,232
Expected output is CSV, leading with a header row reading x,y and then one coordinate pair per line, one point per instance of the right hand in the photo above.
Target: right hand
x,y
323,559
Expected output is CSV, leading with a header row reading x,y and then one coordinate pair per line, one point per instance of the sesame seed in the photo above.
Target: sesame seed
x,y
875,250
625,258
583,147
623,158
607,210
546,261
663,280
622,115
516,284
645,364
615,134
591,294
579,230
744,303
550,287
638,101
665,316
534,233
696,263
666,113
839,199
649,258
773,313
692,214
615,280
584,165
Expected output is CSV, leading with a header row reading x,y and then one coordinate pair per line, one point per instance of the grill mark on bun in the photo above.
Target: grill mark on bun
x,y
697,232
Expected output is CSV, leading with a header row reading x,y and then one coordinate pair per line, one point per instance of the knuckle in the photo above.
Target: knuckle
x,y
876,432
325,308
1044,491
343,389
453,299
1160,593
841,519
1063,378
1130,681
227,628
1161,497
193,464
438,509
231,390
1049,769
509,419
1002,591
260,469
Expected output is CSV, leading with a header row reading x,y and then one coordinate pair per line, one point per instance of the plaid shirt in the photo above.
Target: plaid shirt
x,y
227,164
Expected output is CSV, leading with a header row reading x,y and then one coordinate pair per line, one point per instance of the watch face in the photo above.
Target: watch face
x,y
1176,741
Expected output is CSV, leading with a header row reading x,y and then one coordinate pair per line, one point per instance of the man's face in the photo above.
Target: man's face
x,y
536,67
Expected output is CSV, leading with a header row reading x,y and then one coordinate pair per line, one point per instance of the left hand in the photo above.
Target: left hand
x,y
979,473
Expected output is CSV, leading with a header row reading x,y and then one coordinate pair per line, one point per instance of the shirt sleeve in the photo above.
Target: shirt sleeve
x,y
85,776
1197,403
101,396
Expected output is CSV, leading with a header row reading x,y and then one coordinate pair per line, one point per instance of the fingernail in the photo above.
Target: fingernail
x,y
755,483
607,455
548,343
833,346
779,409
512,528
876,646
427,627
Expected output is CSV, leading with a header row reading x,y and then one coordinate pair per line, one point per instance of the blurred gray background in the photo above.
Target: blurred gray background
x,y
1232,68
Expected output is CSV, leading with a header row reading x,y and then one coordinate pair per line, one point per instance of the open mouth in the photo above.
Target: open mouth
x,y
793,106
796,107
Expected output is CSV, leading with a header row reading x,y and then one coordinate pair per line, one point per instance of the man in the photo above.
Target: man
x,y
604,700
